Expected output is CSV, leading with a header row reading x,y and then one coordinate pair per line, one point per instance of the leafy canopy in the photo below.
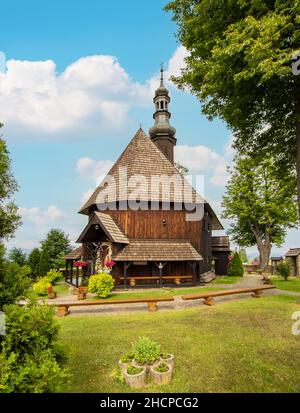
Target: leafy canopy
x,y
258,203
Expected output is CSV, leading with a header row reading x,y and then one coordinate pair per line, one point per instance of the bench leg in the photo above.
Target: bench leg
x,y
209,301
257,294
62,311
152,307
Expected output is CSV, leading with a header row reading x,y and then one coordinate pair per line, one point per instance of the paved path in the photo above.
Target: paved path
x,y
245,282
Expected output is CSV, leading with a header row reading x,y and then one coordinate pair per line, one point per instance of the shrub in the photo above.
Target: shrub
x,y
162,368
134,370
53,276
41,286
283,268
127,358
31,359
101,284
146,351
235,267
14,281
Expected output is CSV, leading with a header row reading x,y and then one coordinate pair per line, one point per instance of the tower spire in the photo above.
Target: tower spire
x,y
162,133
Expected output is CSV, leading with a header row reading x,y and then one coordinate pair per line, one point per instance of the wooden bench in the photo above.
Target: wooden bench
x,y
176,278
63,308
209,297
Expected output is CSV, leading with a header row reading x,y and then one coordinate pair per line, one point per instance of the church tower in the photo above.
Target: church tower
x,y
162,133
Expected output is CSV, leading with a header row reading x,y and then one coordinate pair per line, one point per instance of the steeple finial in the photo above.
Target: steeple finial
x,y
161,74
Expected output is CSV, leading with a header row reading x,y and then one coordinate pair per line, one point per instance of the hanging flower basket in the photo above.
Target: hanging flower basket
x,y
81,264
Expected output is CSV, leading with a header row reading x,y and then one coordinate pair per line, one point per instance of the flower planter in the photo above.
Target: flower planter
x,y
136,381
123,366
169,360
81,296
161,378
52,295
147,366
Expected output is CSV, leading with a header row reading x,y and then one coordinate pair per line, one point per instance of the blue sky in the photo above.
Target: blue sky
x,y
78,82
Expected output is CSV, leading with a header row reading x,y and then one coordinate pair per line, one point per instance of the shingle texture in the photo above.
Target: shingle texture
x,y
293,252
158,250
75,254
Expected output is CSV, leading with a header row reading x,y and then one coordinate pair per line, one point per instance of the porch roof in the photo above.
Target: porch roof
x,y
293,252
75,254
158,250
220,244
108,225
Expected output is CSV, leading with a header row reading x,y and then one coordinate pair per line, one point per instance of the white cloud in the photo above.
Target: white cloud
x,y
94,88
38,217
202,160
93,169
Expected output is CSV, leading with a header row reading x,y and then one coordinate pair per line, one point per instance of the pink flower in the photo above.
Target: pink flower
x,y
110,264
81,264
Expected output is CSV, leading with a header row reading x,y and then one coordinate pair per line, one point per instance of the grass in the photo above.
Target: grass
x,y
119,294
115,295
225,279
238,346
292,284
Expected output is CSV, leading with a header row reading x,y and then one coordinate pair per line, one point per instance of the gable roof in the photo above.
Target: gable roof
x,y
108,225
293,252
75,254
142,157
158,250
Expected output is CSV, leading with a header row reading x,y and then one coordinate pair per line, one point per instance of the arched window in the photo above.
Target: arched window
x,y
161,104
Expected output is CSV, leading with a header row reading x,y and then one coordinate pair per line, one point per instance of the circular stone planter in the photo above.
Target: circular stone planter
x,y
161,378
147,366
136,381
123,366
170,360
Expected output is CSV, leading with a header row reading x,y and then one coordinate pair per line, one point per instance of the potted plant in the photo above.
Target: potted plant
x,y
161,373
81,293
135,377
50,292
168,358
146,352
125,361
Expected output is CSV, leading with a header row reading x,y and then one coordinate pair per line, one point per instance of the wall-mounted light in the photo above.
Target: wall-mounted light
x,y
96,227
164,222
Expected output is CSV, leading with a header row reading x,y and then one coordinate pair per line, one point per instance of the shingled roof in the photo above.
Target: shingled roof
x,y
293,252
108,225
75,254
158,250
143,157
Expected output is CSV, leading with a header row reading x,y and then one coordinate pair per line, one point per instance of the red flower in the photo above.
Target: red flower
x,y
81,264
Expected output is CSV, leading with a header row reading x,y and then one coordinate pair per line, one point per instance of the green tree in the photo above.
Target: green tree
x,y
235,267
9,217
261,208
243,255
18,256
34,261
240,68
56,244
14,281
44,264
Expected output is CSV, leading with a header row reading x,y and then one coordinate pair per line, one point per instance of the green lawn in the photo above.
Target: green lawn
x,y
292,284
119,294
225,279
239,346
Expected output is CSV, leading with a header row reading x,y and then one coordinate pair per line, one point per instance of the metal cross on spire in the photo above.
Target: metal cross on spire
x,y
161,74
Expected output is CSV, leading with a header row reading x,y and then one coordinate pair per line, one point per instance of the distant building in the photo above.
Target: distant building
x,y
293,257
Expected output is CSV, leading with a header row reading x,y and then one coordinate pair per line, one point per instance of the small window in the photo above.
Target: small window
x,y
161,104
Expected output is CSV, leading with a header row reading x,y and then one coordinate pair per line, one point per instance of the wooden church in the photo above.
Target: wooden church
x,y
145,236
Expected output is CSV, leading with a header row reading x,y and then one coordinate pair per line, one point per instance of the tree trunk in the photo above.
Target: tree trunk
x,y
264,249
297,110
